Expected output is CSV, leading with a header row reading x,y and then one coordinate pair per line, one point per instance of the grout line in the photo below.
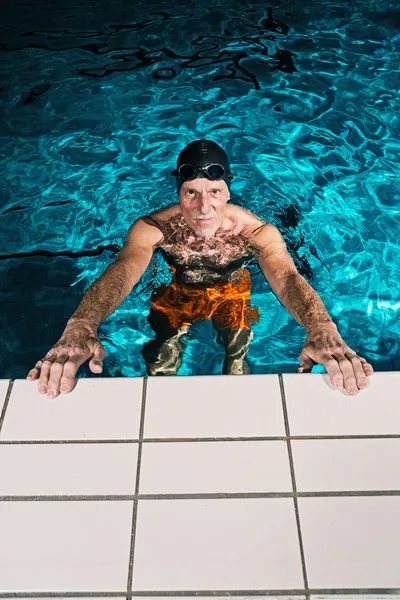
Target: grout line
x,y
349,493
149,594
293,477
6,401
378,436
204,440
356,592
61,595
203,593
135,504
210,496
216,496
137,497
44,442
60,498
149,440
218,439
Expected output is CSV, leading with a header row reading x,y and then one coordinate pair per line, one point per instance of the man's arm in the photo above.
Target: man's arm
x,y
300,299
79,341
324,344
112,287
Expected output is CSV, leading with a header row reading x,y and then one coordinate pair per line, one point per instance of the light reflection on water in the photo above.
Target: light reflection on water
x,y
98,100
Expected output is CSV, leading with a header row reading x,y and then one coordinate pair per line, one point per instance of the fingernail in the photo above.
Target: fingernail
x,y
42,389
353,391
51,395
64,389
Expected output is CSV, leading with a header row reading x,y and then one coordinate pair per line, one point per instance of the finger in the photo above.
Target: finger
x,y
45,366
71,367
349,377
332,368
368,369
96,362
361,379
35,372
56,371
306,364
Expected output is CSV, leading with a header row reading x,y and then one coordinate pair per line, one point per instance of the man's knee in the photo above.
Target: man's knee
x,y
165,358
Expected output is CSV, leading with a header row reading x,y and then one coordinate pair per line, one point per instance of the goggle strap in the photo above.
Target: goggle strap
x,y
175,172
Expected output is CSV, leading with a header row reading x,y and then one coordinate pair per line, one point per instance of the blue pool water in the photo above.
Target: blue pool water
x,y
98,99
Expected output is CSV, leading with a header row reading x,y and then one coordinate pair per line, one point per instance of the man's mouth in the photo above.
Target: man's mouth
x,y
204,219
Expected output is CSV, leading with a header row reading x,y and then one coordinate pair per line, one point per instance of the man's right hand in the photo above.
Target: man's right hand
x,y
57,370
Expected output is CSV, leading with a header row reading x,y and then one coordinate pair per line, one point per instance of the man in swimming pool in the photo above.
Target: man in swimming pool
x,y
206,242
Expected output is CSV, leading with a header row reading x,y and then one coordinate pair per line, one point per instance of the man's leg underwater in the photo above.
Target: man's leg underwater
x,y
232,320
163,356
236,343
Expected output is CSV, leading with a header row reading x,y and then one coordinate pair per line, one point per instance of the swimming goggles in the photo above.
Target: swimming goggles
x,y
213,171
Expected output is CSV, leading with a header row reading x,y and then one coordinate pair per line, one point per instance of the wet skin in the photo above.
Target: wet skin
x,y
203,226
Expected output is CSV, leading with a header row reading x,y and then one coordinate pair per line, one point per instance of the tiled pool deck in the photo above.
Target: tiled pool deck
x,y
249,486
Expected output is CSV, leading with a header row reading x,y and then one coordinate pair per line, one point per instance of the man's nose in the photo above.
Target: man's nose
x,y
204,203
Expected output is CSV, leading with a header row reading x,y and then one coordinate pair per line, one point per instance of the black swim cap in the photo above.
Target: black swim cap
x,y
201,153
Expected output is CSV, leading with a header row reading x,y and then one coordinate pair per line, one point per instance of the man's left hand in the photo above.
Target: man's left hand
x,y
346,369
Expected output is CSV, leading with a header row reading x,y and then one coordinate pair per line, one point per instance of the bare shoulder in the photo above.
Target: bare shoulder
x,y
145,235
239,219
147,231
141,237
259,232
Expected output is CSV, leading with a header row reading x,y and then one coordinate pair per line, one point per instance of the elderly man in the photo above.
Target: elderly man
x,y
207,243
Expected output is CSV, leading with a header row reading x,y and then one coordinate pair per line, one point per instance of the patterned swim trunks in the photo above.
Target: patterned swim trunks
x,y
227,304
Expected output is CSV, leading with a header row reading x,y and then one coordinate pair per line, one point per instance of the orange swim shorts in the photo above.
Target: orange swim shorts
x,y
227,304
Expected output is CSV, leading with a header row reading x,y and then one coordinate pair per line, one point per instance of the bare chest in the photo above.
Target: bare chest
x,y
222,249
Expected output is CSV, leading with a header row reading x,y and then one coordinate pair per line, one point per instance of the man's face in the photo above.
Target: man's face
x,y
203,204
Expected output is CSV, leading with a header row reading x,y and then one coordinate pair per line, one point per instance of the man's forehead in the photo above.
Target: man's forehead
x,y
201,182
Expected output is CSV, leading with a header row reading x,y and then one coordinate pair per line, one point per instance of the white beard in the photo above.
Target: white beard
x,y
206,233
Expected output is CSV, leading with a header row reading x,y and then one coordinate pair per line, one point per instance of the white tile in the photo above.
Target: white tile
x,y
347,465
67,469
214,406
351,542
356,597
224,597
314,408
105,408
214,467
4,383
216,545
64,546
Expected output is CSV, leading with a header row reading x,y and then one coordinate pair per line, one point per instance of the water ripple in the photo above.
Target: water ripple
x,y
97,100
